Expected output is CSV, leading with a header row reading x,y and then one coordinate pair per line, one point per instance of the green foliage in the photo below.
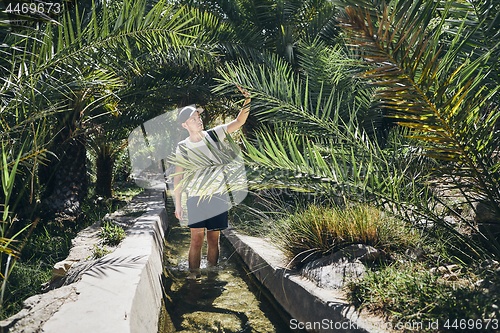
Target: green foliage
x,y
432,66
9,230
125,191
66,78
8,174
435,69
334,133
42,250
250,216
409,292
275,26
50,244
25,279
323,230
111,233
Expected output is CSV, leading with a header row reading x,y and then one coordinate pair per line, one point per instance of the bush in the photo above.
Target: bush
x,y
319,229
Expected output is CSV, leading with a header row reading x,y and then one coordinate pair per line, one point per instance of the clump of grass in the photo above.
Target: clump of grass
x,y
319,229
99,251
111,233
410,292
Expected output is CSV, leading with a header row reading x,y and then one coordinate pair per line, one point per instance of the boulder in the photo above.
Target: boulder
x,y
341,267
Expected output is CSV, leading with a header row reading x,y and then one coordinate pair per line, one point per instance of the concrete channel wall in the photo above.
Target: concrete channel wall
x,y
123,293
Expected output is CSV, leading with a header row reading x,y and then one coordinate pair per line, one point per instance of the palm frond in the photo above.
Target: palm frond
x,y
445,103
396,177
292,99
201,173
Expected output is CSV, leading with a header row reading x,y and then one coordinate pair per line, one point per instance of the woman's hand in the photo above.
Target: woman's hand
x,y
243,91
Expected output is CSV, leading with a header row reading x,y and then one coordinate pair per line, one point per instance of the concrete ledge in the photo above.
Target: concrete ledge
x,y
319,310
122,291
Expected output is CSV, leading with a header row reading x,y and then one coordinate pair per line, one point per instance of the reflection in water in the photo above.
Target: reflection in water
x,y
223,300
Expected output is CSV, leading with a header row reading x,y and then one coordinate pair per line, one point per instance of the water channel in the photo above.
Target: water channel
x,y
226,299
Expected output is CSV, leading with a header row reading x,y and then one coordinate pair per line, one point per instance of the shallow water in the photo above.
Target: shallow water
x,y
225,299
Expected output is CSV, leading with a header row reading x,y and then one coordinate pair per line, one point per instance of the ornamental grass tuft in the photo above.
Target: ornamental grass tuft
x,y
322,230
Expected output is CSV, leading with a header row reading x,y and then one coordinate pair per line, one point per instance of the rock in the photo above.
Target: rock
x,y
335,276
446,269
485,213
487,218
451,220
448,273
339,268
61,268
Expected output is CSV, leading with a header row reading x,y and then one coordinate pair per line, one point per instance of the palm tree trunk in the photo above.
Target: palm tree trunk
x,y
104,166
67,186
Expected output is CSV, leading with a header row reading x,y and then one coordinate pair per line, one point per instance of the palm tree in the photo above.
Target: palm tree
x,y
437,78
62,81
82,65
437,72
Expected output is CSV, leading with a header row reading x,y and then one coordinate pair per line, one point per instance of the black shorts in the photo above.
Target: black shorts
x,y
210,212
